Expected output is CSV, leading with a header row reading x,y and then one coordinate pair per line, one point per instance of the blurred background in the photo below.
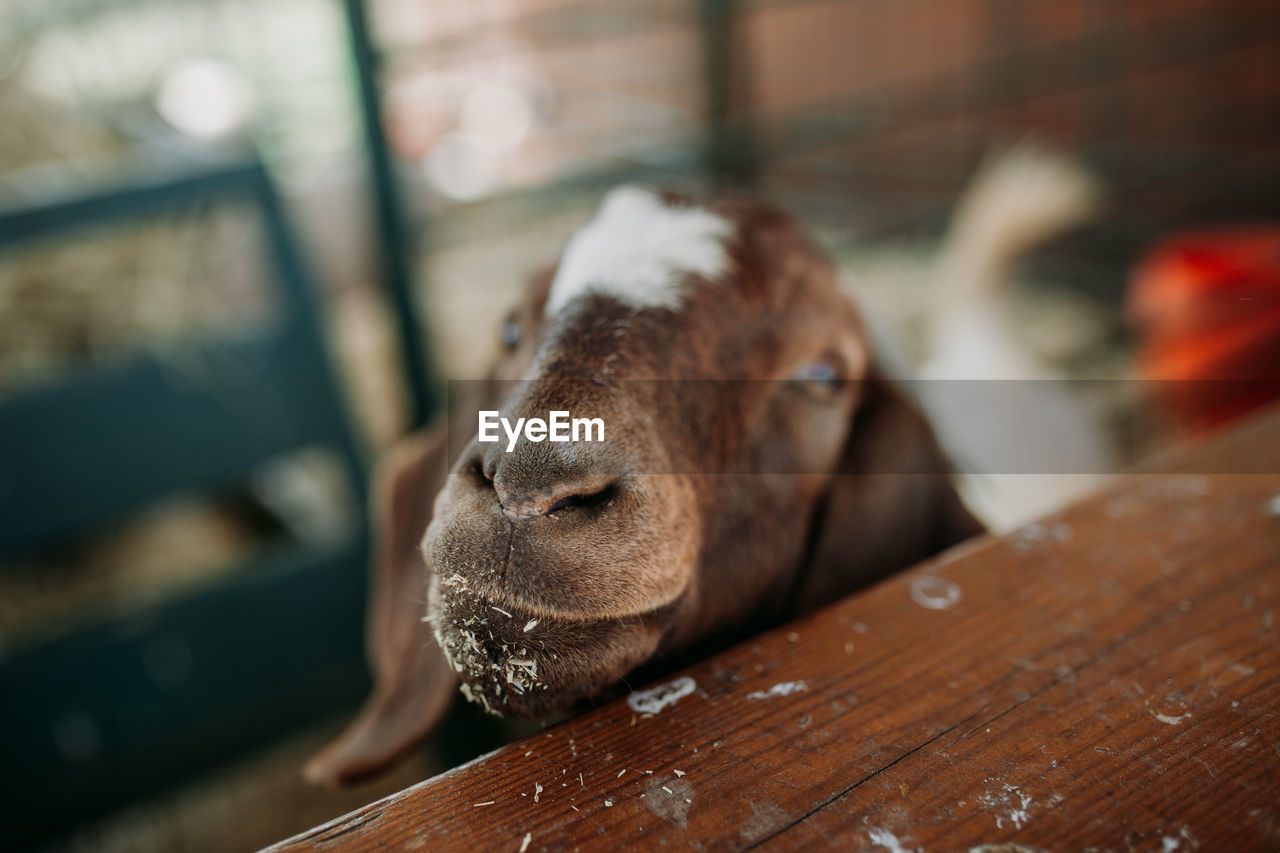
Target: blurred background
x,y
242,242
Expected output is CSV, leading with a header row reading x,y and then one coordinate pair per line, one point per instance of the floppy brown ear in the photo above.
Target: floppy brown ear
x,y
890,504
413,684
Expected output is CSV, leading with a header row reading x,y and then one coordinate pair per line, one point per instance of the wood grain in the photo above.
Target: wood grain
x,y
1108,678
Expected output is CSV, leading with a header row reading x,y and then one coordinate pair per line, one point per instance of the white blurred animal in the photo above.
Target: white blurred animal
x,y
1025,443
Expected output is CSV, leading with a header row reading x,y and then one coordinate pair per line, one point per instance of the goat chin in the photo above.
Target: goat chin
x,y
514,664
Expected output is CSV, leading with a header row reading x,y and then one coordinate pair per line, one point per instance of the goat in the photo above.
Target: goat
x,y
757,465
1019,199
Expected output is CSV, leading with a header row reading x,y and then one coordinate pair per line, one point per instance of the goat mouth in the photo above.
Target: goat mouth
x,y
515,664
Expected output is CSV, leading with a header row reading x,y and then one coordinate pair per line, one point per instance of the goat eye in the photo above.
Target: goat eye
x,y
819,377
510,334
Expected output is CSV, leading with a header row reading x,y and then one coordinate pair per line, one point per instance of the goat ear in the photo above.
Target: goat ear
x,y
413,683
891,502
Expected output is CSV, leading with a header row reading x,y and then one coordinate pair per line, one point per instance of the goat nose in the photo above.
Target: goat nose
x,y
531,485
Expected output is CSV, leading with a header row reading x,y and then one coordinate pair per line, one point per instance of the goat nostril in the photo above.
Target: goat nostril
x,y
585,501
482,470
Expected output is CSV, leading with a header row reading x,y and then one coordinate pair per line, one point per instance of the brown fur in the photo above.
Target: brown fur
x,y
734,496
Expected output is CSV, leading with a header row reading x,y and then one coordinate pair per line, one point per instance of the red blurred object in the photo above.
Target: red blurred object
x,y
1207,308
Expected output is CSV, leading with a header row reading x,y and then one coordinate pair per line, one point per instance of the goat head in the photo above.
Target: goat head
x,y
755,466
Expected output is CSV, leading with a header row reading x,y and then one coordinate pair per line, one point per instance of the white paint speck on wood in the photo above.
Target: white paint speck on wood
x,y
934,593
886,839
1170,720
653,700
784,688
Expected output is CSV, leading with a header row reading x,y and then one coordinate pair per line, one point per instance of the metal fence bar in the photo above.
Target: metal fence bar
x,y
392,230
730,156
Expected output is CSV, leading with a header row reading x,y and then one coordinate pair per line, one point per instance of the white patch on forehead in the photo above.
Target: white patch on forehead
x,y
639,249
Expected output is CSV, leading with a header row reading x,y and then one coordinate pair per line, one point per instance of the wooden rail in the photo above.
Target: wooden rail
x,y
1108,678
